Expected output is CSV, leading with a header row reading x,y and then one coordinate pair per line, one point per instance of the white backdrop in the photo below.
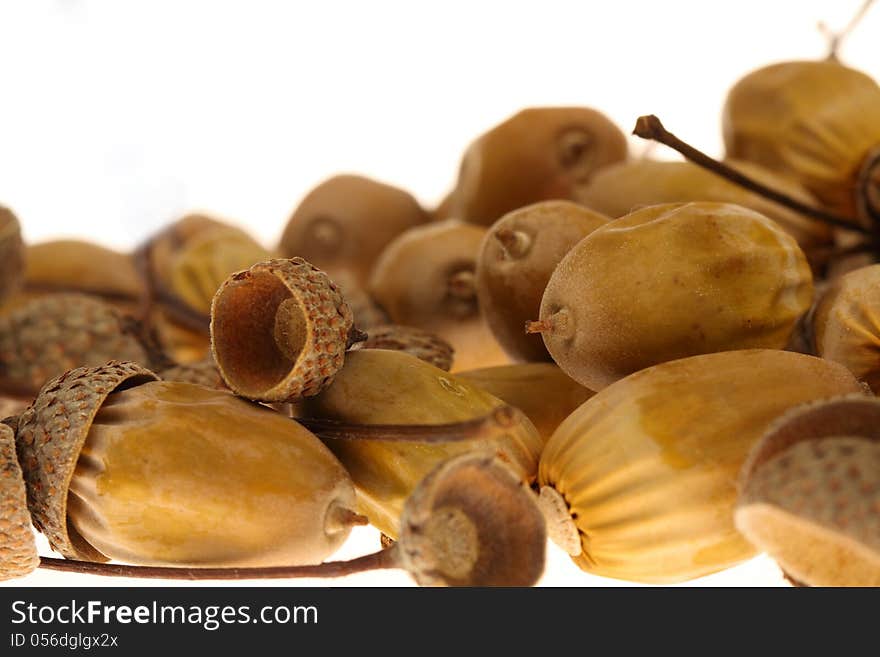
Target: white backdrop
x,y
116,117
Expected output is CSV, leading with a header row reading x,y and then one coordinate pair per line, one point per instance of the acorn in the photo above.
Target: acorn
x,y
726,278
469,522
344,224
517,256
421,344
57,332
540,390
183,266
279,330
365,311
11,253
390,418
810,493
540,153
18,551
122,466
625,187
76,266
639,483
845,324
425,279
816,121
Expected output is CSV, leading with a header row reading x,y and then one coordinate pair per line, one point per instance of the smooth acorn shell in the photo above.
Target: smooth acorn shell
x,y
625,187
671,281
816,121
648,467
538,154
415,281
177,474
11,253
343,224
512,274
542,391
376,386
846,324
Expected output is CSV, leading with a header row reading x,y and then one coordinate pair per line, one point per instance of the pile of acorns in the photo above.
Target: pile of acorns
x,y
666,369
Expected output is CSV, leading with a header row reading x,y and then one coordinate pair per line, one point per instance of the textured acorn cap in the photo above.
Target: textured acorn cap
x,y
51,434
279,330
18,552
52,334
815,508
203,373
424,345
472,522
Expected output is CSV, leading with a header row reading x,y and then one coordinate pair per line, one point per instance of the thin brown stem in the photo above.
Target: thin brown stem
x,y
502,417
650,127
383,559
835,39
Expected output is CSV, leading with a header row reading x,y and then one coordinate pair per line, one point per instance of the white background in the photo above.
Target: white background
x,y
117,117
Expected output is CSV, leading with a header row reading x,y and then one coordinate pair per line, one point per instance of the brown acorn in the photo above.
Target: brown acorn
x,y
816,121
18,552
366,312
422,344
11,253
810,493
425,278
343,224
279,330
516,259
538,154
57,332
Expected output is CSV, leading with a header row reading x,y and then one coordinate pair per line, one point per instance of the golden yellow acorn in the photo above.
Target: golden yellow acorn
x,y
122,466
639,483
390,418
816,121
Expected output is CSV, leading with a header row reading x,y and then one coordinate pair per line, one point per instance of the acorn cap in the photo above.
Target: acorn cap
x,y
203,373
51,334
422,344
472,522
279,330
51,434
18,552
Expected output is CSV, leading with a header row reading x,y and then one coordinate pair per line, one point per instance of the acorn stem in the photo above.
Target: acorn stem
x,y
462,284
383,559
514,243
540,326
486,425
650,127
836,38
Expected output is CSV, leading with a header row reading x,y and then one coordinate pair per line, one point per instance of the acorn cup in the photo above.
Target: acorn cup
x,y
844,324
343,225
425,278
625,187
671,281
809,493
53,333
639,483
203,373
11,254
390,418
424,345
120,465
540,390
469,522
539,154
816,121
183,266
279,331
80,267
516,259
18,552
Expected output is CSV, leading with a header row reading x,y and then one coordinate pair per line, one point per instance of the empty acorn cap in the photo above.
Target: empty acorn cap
x,y
18,552
50,436
424,345
810,493
279,330
472,522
